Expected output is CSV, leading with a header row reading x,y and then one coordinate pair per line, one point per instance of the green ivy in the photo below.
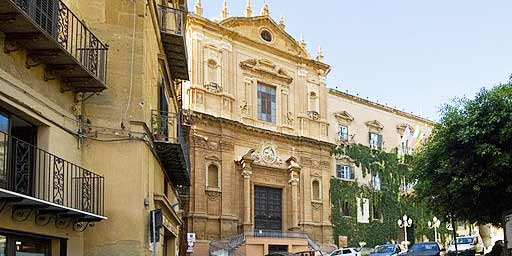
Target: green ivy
x,y
391,168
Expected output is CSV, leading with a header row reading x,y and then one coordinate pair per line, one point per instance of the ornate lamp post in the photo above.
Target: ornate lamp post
x,y
434,224
405,223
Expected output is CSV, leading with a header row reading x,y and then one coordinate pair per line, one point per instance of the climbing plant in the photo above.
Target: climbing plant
x,y
391,204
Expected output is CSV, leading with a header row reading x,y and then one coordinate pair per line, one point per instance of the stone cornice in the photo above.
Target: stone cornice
x,y
214,27
246,127
381,107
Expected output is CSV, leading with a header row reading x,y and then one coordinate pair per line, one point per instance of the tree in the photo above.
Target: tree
x,y
465,168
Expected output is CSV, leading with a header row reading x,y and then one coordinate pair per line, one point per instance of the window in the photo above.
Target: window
x,y
344,171
376,182
345,208
213,176
342,133
17,244
267,103
375,140
316,190
376,211
266,35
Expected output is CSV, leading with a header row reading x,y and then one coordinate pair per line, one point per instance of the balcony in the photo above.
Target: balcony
x,y
170,145
54,36
172,30
32,179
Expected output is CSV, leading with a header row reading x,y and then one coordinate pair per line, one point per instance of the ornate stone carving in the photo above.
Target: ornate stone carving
x,y
316,206
313,115
213,87
289,118
266,67
213,195
267,155
244,108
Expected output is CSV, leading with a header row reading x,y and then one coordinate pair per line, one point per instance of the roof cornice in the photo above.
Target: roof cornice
x,y
380,106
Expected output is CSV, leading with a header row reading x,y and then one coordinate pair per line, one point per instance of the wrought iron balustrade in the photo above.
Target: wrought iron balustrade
x,y
164,126
64,30
172,30
31,171
170,144
172,20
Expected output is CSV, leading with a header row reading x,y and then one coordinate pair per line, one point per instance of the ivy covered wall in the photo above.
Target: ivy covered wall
x,y
389,202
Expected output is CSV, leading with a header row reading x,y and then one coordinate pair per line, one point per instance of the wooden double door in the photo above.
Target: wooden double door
x,y
268,209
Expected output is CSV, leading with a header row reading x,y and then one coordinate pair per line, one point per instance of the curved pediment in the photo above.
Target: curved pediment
x,y
266,67
251,28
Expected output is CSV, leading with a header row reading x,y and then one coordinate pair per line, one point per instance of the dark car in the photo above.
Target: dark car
x,y
281,254
424,249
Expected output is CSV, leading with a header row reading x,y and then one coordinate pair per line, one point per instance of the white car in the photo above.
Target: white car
x,y
346,252
467,246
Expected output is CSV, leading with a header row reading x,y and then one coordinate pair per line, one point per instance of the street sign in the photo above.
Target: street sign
x,y
191,237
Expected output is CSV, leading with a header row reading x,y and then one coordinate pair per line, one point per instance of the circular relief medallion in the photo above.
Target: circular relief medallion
x,y
268,154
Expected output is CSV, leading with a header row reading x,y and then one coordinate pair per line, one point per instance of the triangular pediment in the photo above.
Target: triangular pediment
x,y
251,28
266,67
344,116
401,128
375,124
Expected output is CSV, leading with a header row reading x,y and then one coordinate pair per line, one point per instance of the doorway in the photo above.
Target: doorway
x,y
267,208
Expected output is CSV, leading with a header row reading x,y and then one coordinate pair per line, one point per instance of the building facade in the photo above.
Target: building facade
x,y
259,143
91,135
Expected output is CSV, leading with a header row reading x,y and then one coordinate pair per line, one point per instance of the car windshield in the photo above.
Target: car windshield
x,y
464,240
385,249
424,247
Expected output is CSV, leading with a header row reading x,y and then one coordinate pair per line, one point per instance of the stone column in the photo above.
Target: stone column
x,y
246,163
294,171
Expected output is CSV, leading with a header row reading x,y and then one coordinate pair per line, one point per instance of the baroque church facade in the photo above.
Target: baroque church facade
x,y
259,145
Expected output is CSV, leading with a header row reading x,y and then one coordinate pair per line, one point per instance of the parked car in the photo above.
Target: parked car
x,y
310,253
346,252
386,250
467,246
424,249
281,254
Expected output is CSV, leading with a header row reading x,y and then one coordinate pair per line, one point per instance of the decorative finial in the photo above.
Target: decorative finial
x,y
264,10
248,9
320,54
224,14
302,41
281,23
199,8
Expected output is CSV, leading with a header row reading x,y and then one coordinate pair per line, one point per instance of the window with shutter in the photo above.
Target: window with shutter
x,y
45,14
266,103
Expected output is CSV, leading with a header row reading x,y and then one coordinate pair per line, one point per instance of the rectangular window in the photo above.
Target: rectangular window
x,y
342,133
344,171
266,103
376,182
345,208
375,141
16,244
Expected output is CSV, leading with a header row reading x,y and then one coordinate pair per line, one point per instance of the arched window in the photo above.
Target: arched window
x,y
212,72
213,176
316,190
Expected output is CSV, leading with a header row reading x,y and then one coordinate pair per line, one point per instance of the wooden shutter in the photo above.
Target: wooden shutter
x,y
46,15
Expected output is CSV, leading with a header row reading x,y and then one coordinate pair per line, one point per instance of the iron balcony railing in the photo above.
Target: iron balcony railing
x,y
167,128
60,24
31,171
172,20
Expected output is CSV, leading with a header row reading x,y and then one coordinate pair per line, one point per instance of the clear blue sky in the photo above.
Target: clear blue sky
x,y
412,54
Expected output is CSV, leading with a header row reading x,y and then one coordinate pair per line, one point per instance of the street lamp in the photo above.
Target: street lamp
x,y
434,224
405,223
